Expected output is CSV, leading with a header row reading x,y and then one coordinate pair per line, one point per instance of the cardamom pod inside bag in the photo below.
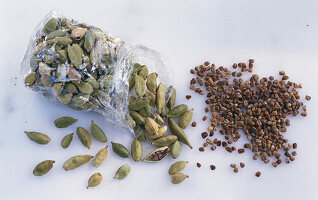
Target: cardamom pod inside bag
x,y
82,67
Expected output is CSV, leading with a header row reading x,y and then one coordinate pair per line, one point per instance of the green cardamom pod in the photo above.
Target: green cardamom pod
x,y
44,69
137,117
132,121
57,88
139,103
136,150
93,83
76,54
157,155
120,150
152,82
61,72
140,86
89,40
78,33
85,87
56,33
159,119
30,79
70,87
143,72
161,95
100,157
63,41
84,137
131,81
172,99
37,137
177,167
146,111
66,141
164,111
176,148
74,75
98,133
142,137
151,126
65,98
64,122
177,111
50,26
76,161
62,55
176,130
58,48
94,180
137,68
122,172
152,98
185,119
43,167
161,132
164,141
178,178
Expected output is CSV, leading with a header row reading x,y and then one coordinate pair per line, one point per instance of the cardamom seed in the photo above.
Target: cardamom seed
x,y
66,141
140,86
78,33
176,130
161,132
64,122
143,72
76,161
43,167
94,180
172,99
37,137
120,150
122,172
98,133
138,104
177,111
50,25
178,178
136,150
177,167
151,126
161,95
137,117
176,148
30,79
152,82
75,53
100,157
185,119
84,137
164,141
157,155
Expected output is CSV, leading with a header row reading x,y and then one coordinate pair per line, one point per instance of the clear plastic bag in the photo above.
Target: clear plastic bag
x,y
84,68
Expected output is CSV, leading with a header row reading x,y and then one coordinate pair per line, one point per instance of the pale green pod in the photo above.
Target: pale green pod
x,y
159,119
178,178
164,141
50,25
177,111
140,86
137,68
93,83
185,119
136,150
94,180
176,148
65,98
75,53
137,117
132,121
120,150
161,132
98,133
152,82
164,111
89,40
152,98
157,155
84,137
78,33
66,141
177,167
151,126
122,172
43,167
142,137
143,72
161,95
56,33
63,41
131,81
30,79
76,161
176,130
172,99
100,157
64,122
139,103
70,87
37,137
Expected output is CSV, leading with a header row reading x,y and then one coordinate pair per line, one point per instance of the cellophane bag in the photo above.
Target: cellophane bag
x,y
85,68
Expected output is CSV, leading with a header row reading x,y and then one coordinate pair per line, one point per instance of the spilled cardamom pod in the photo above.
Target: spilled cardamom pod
x,y
136,150
43,167
66,141
64,122
176,130
151,126
76,161
172,99
164,111
152,98
100,157
177,111
97,132
178,178
37,137
120,150
157,155
122,172
84,137
164,141
94,180
176,148
90,38
185,119
177,167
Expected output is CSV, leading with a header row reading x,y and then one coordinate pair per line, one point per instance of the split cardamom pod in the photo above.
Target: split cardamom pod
x,y
37,137
76,161
43,167
64,122
157,155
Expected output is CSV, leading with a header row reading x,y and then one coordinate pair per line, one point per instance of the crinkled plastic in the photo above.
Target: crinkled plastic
x,y
84,68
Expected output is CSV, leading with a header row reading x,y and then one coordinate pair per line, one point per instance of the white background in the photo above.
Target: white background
x,y
278,34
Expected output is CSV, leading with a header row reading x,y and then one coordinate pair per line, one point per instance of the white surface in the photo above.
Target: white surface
x,y
278,34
